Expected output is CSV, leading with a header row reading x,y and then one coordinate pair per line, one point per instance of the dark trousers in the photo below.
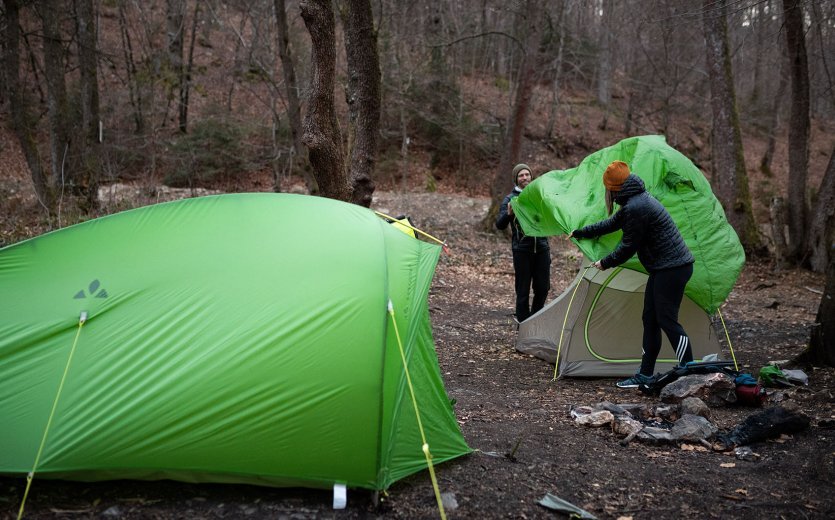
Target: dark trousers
x,y
531,269
662,300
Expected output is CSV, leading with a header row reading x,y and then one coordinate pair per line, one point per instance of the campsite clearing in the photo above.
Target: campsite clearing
x,y
510,409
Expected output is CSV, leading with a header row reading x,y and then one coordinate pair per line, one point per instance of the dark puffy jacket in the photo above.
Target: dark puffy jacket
x,y
647,228
519,242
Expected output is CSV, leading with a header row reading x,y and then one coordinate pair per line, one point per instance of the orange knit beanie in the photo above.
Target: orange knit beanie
x,y
615,175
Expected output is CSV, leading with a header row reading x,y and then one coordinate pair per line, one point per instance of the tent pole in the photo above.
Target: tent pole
x,y
564,321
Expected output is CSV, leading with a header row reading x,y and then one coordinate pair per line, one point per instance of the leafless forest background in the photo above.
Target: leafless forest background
x,y
339,98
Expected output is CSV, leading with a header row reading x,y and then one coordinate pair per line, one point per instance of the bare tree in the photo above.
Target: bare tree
x,y
291,89
61,173
821,228
186,75
730,179
512,147
798,126
822,341
604,73
89,143
19,107
321,127
774,118
362,96
175,19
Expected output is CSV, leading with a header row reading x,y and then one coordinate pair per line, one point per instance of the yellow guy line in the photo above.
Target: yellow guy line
x,y
31,475
728,337
427,235
417,414
564,321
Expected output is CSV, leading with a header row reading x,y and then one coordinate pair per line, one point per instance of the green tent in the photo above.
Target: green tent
x,y
561,201
236,338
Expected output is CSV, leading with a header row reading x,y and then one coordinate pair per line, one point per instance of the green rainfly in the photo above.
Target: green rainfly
x,y
238,338
561,201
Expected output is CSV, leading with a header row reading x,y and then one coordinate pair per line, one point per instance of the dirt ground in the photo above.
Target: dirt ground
x,y
507,404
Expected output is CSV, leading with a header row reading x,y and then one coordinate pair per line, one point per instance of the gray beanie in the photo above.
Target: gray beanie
x,y
518,168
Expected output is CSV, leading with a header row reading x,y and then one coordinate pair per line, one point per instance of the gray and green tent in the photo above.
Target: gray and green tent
x,y
237,338
596,323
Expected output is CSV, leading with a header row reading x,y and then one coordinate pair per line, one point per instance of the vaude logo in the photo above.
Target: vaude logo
x,y
95,291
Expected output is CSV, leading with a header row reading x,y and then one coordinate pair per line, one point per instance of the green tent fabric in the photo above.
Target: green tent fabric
x,y
561,201
238,338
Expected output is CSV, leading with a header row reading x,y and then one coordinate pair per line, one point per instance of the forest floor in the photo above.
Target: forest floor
x,y
517,418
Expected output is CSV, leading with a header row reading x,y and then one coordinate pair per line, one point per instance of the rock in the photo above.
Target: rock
x,y
626,426
449,501
595,419
638,410
113,511
746,453
693,428
695,406
715,389
667,412
654,435
611,407
580,411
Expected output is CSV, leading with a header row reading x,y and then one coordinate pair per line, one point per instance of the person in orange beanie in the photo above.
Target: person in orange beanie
x,y
648,230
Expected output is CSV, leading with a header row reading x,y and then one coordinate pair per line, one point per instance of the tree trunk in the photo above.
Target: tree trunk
x,y
57,106
730,180
774,118
185,78
604,75
798,126
134,91
362,96
822,341
558,62
777,214
321,128
821,229
90,119
291,90
19,107
175,18
502,183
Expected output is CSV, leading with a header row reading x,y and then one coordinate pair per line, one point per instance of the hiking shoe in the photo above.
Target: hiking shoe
x,y
633,382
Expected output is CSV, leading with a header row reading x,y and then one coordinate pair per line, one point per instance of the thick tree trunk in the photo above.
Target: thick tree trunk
x,y
799,125
604,74
822,342
321,128
134,92
291,90
175,19
730,180
185,78
88,65
61,174
362,96
502,182
19,107
821,228
774,118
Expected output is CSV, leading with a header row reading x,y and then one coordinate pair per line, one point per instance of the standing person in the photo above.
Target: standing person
x,y
531,255
648,230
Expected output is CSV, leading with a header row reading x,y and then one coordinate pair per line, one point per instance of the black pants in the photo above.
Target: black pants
x,y
662,300
531,269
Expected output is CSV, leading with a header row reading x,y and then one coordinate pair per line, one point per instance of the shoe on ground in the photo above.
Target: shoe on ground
x,y
634,381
